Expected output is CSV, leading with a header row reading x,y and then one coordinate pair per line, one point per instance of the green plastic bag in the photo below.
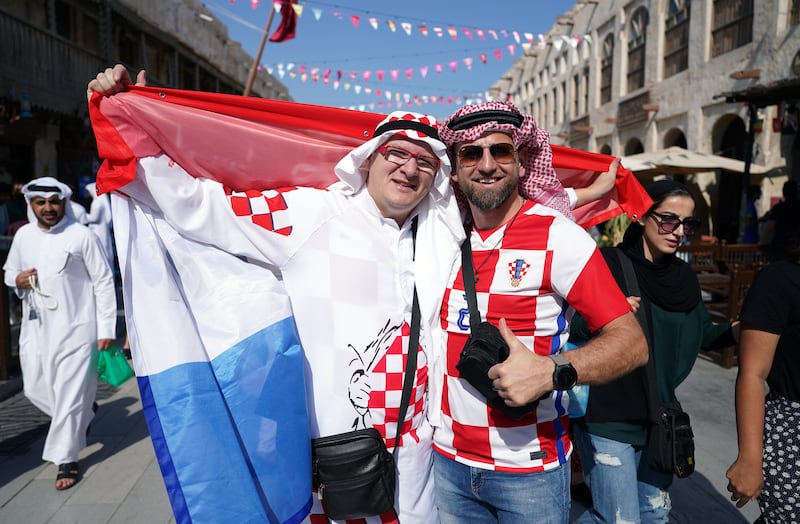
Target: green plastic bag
x,y
113,367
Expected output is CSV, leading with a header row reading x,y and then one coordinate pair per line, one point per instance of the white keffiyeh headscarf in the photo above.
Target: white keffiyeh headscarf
x,y
353,168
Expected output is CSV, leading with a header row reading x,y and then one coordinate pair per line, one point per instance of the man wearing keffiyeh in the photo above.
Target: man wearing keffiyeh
x,y
58,268
532,266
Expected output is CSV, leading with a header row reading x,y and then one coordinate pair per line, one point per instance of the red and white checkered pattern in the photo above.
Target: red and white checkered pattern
x,y
387,390
266,209
530,275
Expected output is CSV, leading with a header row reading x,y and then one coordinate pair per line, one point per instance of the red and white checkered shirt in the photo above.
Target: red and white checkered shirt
x,y
532,274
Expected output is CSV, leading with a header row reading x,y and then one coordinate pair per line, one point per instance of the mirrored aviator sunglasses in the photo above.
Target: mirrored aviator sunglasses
x,y
669,223
503,153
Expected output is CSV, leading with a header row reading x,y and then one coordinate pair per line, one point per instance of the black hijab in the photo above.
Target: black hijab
x,y
670,284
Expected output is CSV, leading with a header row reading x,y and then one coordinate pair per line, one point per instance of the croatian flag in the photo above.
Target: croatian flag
x,y
216,352
220,371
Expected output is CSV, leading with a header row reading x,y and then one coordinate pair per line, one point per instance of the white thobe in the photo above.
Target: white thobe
x,y
57,342
98,220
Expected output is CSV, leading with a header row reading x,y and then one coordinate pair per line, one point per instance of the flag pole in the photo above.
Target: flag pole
x,y
252,77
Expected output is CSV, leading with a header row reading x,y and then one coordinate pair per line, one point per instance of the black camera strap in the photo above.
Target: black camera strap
x,y
413,347
468,274
632,289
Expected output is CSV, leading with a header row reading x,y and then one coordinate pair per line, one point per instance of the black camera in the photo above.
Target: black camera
x,y
485,348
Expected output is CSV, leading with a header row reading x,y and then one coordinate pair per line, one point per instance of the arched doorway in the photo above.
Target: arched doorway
x,y
729,138
674,138
633,147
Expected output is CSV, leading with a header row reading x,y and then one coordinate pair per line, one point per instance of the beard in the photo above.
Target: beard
x,y
488,199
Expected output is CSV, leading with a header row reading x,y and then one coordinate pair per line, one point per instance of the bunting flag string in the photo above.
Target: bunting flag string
x,y
425,28
394,73
386,98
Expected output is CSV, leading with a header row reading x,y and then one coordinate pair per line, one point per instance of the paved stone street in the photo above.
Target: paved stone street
x,y
122,484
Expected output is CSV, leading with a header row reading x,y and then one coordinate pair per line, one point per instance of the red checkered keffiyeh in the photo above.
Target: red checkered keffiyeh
x,y
539,181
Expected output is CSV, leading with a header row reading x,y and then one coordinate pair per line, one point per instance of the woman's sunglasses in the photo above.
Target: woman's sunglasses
x,y
669,223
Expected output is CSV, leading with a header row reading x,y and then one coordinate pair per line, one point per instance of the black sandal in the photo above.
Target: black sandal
x,y
68,471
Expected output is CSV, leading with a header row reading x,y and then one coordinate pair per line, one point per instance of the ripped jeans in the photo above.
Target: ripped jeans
x,y
624,489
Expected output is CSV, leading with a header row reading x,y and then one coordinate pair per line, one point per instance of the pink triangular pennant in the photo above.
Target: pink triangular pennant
x,y
493,33
424,30
482,57
254,3
438,68
355,19
498,53
512,48
353,75
468,62
423,71
302,69
467,33
504,33
394,73
409,73
528,37
365,75
379,73
453,65
480,34
337,14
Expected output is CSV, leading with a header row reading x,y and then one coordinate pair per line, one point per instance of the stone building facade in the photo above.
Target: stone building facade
x,y
629,76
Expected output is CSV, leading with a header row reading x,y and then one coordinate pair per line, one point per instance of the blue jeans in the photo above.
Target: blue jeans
x,y
475,495
624,488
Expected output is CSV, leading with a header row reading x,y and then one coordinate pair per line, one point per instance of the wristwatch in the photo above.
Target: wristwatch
x,y
564,376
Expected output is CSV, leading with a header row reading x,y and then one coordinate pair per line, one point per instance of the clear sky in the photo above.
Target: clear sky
x,y
328,39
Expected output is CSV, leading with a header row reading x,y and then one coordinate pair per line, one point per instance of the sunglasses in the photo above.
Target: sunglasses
x,y
503,153
398,155
669,223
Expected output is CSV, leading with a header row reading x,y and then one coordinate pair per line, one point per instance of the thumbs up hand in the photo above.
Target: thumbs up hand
x,y
524,376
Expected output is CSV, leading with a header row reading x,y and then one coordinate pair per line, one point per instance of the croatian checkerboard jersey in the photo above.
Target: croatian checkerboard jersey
x,y
350,277
532,272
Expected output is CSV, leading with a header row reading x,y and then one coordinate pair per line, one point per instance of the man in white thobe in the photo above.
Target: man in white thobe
x,y
58,269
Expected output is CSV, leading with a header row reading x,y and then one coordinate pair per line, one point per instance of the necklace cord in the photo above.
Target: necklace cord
x,y
499,240
44,296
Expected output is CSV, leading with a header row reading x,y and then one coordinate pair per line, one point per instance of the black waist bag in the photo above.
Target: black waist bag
x,y
485,348
354,474
670,445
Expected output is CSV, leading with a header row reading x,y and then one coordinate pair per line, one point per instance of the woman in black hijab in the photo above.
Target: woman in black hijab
x,y
612,437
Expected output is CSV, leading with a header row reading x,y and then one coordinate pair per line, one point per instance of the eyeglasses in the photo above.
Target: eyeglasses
x,y
503,153
669,223
397,155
